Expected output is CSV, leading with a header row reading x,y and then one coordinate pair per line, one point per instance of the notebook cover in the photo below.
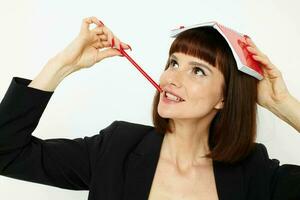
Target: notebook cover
x,y
237,43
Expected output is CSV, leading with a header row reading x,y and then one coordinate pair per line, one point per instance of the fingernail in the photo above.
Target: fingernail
x,y
247,38
129,47
112,42
101,23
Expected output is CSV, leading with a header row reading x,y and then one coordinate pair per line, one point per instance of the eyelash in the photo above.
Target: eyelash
x,y
197,68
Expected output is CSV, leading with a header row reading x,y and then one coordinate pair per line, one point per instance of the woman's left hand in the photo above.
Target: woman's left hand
x,y
272,89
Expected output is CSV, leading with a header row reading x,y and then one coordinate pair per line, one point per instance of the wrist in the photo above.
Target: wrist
x,y
288,110
282,105
56,67
50,76
68,57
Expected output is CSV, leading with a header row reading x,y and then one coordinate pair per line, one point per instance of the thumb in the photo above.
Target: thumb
x,y
106,53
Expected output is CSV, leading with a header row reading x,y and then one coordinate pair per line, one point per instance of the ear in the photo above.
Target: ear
x,y
219,105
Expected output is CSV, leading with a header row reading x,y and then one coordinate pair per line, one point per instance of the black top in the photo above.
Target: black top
x,y
118,163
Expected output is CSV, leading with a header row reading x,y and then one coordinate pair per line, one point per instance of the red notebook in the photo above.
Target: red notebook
x,y
236,42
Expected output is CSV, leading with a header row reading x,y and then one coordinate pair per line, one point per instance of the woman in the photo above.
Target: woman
x,y
202,145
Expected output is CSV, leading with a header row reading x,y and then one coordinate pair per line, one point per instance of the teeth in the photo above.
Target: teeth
x,y
172,97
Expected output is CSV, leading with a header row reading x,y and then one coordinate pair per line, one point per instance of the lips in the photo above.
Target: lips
x,y
173,93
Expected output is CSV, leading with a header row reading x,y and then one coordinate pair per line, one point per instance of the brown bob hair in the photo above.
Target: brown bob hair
x,y
232,132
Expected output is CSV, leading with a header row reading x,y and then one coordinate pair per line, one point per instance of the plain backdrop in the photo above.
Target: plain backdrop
x,y
89,100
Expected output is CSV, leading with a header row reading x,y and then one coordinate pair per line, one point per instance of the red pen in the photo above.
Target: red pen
x,y
140,69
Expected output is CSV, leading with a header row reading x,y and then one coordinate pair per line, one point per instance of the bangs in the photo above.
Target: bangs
x,y
201,43
232,131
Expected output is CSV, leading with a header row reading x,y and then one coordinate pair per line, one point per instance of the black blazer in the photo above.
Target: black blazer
x,y
118,163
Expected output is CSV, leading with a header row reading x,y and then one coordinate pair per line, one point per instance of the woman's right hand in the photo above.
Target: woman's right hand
x,y
90,46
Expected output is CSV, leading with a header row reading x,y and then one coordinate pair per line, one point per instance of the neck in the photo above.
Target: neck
x,y
187,144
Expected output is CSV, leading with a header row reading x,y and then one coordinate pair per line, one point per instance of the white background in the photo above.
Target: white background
x,y
89,100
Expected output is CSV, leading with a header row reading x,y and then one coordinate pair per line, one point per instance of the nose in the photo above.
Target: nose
x,y
175,78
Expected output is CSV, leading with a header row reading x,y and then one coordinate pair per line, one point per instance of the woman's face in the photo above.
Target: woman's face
x,y
195,81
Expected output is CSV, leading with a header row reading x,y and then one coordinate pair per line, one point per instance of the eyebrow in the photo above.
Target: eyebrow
x,y
194,63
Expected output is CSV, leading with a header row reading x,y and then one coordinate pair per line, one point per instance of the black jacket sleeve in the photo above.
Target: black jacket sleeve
x,y
285,179
64,163
266,178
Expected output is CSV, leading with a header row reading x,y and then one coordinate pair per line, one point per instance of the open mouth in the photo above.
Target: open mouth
x,y
172,97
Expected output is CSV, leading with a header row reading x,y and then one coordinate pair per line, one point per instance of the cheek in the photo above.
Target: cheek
x,y
206,95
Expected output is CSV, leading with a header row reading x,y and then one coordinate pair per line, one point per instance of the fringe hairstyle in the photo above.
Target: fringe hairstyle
x,y
233,129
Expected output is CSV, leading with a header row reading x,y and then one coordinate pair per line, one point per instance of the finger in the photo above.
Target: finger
x,y
98,30
114,41
269,70
89,20
117,43
98,45
103,37
250,42
106,44
102,24
254,50
109,34
101,44
253,47
126,46
265,61
261,57
107,53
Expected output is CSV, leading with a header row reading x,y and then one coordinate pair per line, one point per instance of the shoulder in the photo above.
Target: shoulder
x,y
124,134
258,167
118,133
125,128
257,162
259,157
283,181
117,139
259,152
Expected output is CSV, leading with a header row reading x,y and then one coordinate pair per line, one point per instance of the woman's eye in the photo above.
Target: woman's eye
x,y
173,62
198,69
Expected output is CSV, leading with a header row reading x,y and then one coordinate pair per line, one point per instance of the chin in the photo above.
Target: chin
x,y
171,114
165,113
168,114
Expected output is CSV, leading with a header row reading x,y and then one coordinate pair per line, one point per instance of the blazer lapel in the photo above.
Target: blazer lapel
x,y
142,163
141,166
229,181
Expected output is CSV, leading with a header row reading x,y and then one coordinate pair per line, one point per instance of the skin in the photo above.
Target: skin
x,y
181,154
272,90
203,96
184,148
88,48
